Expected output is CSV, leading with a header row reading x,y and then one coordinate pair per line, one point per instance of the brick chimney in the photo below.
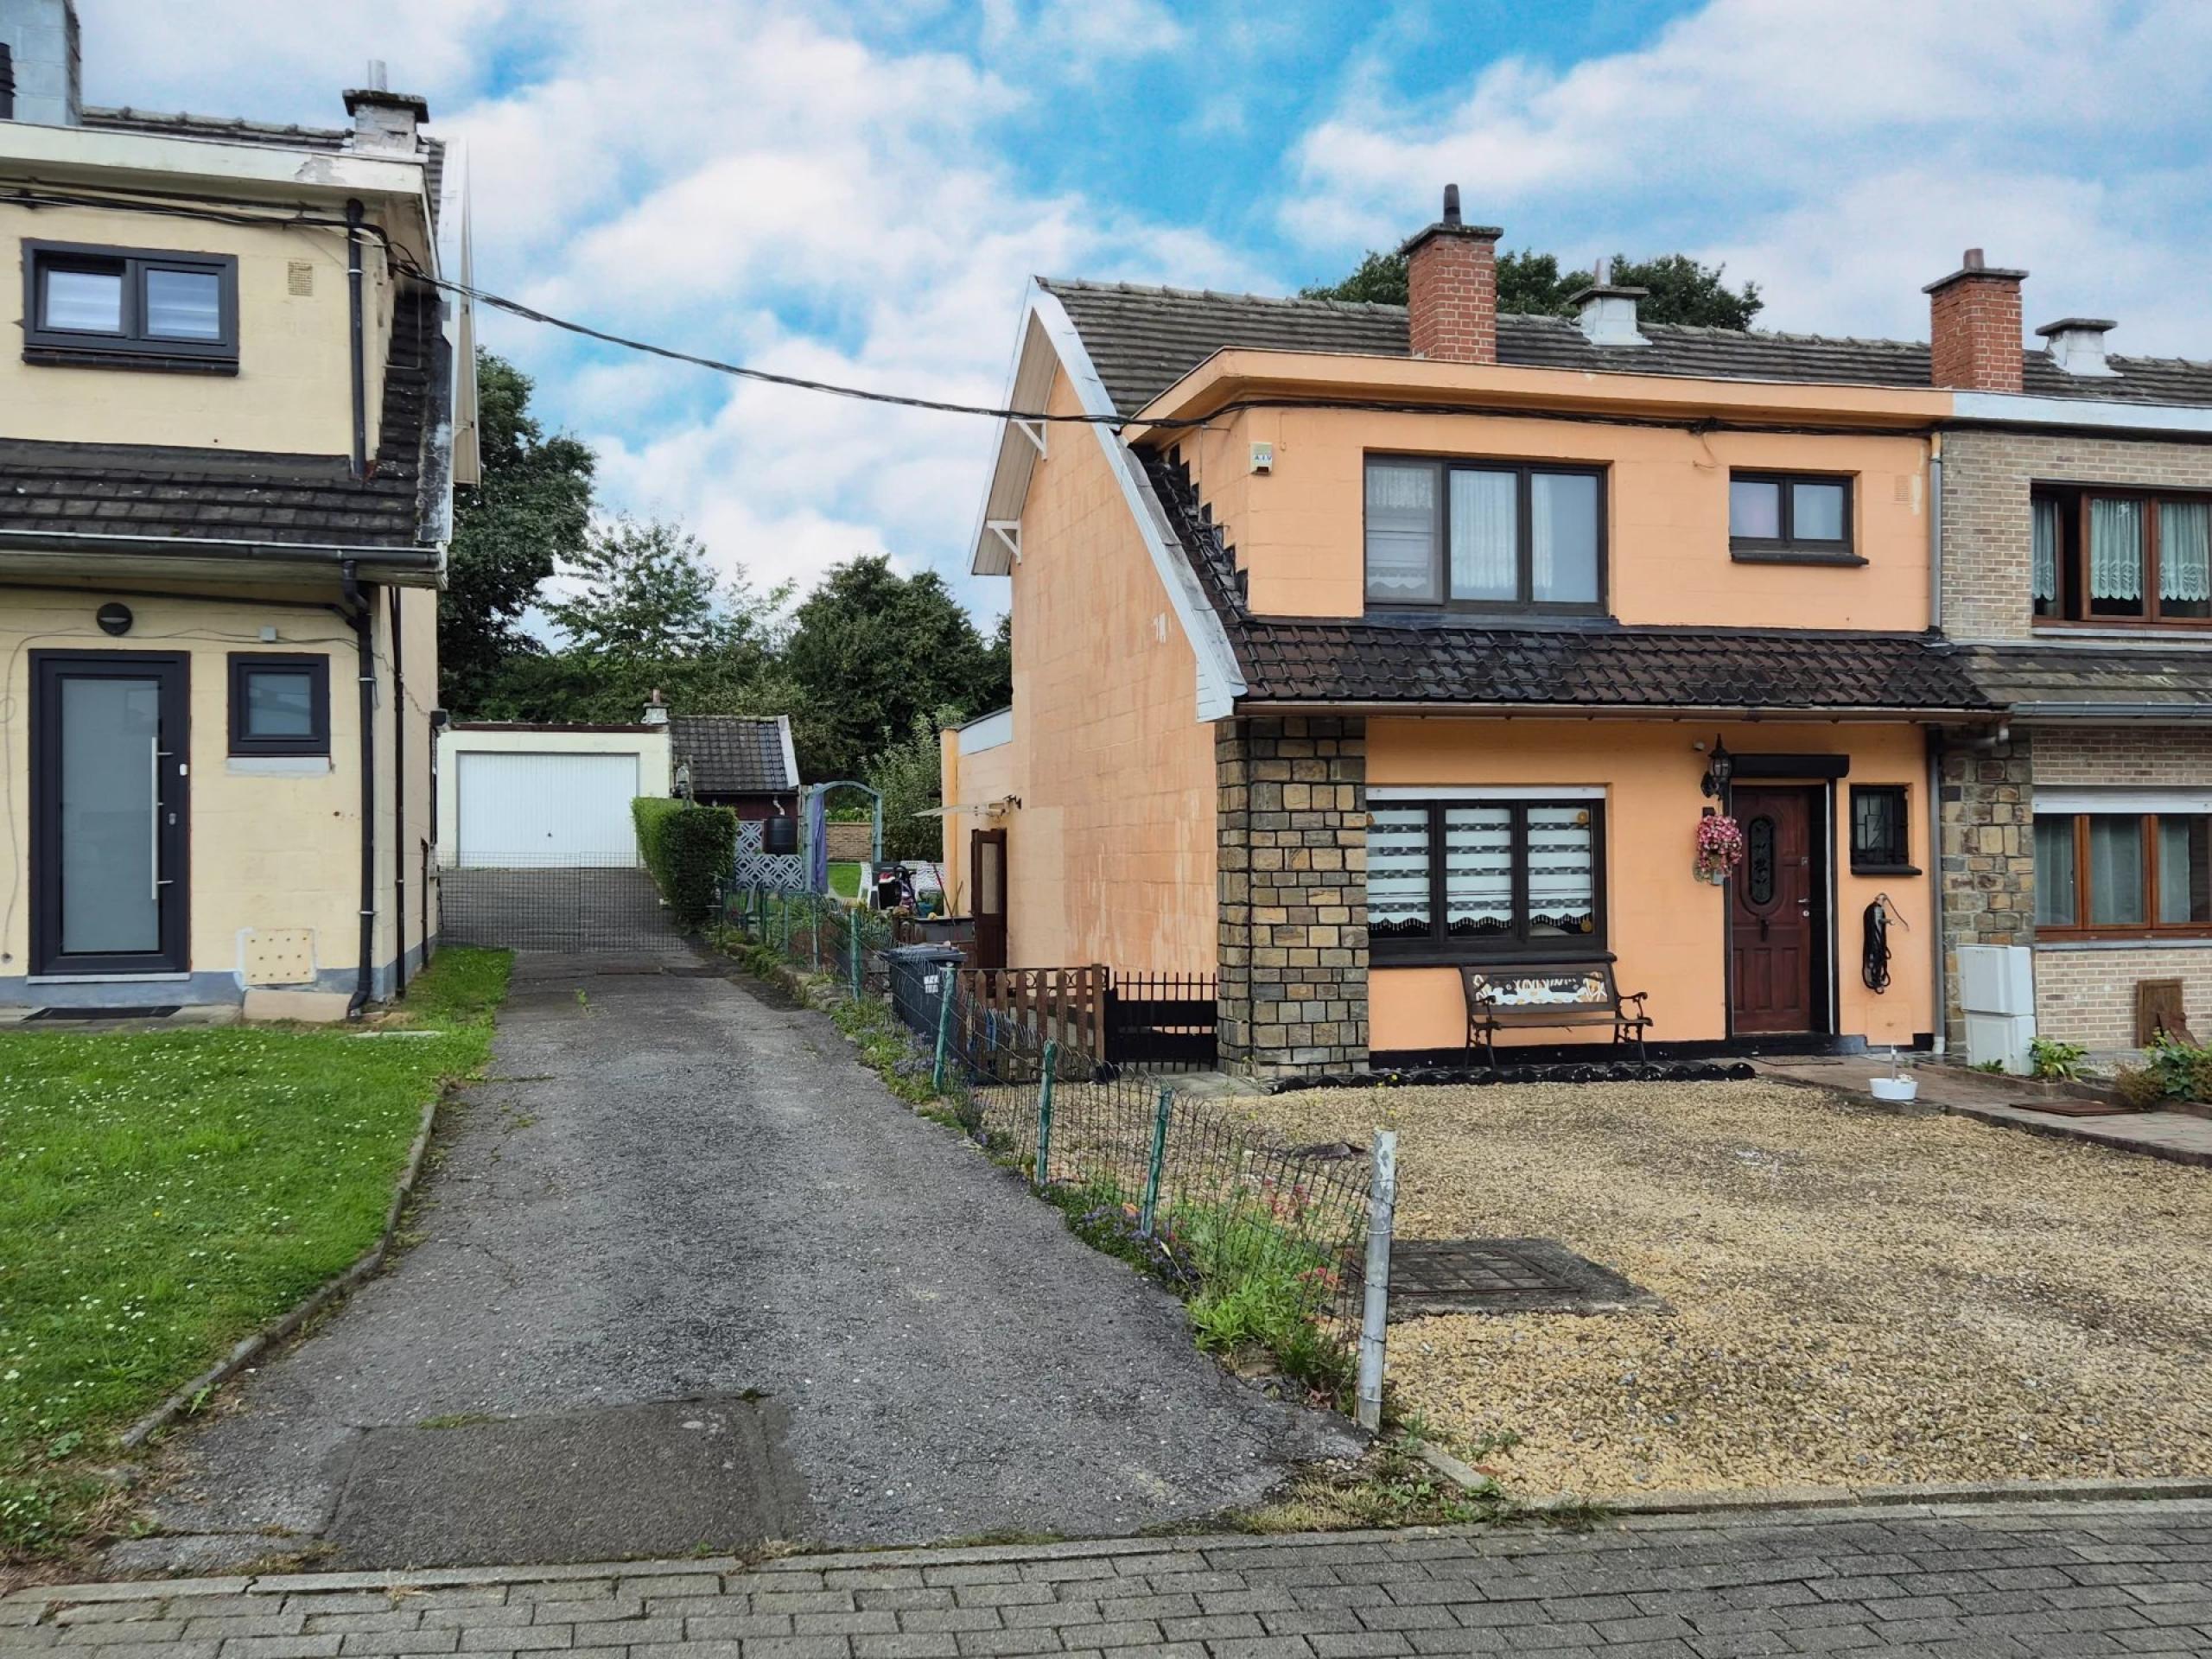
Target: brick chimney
x,y
1452,288
1974,327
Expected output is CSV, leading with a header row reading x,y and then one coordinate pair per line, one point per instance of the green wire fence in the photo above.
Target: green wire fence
x,y
1210,1202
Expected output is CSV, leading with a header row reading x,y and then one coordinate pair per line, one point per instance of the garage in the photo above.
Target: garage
x,y
537,850
528,812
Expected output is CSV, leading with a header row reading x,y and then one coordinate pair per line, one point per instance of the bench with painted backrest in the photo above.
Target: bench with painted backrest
x,y
1510,995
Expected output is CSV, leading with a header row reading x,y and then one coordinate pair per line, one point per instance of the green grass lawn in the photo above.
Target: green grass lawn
x,y
162,1194
845,880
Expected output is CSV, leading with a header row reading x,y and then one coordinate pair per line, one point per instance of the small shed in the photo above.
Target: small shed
x,y
744,762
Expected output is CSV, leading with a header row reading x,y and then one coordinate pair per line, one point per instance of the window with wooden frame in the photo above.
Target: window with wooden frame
x,y
1484,535
130,308
2123,558
1790,518
1449,880
2112,875
280,704
1881,839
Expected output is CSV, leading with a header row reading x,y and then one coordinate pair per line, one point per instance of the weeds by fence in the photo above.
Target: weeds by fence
x,y
1266,1242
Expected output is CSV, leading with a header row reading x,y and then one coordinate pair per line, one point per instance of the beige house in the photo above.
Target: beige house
x,y
230,428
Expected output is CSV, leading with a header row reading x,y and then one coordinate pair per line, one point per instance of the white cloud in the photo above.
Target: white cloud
x,y
1839,155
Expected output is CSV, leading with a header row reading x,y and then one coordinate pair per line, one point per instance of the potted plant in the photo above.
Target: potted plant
x,y
1719,848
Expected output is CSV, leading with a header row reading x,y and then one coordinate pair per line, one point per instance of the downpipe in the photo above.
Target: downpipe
x,y
359,611
361,362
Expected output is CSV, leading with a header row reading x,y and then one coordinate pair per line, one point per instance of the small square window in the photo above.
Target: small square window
x,y
1782,518
279,704
128,308
1880,833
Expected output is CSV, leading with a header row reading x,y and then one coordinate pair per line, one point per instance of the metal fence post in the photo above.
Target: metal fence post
x,y
815,932
1149,1209
1374,1325
1044,1114
856,962
943,1024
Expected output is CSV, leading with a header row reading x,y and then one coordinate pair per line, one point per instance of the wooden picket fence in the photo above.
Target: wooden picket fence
x,y
1066,1006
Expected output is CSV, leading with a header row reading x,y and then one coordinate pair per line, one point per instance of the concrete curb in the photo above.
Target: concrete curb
x,y
1772,1499
2021,1498
180,1403
2078,1131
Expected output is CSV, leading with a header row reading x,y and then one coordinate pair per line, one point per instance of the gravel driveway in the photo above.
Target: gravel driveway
x,y
673,1189
1856,1298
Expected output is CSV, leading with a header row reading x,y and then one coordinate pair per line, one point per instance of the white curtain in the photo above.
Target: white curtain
x,y
2115,550
1484,520
2116,870
2185,550
1401,533
2046,539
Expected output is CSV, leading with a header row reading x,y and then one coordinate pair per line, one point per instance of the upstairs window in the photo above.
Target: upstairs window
x,y
1448,880
124,307
1484,536
1795,517
2119,556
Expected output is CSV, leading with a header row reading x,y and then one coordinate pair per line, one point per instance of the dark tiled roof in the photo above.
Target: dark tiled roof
x,y
2089,676
229,495
1141,341
1368,660
732,755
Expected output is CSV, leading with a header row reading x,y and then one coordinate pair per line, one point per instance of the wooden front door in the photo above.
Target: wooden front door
x,y
987,859
1776,927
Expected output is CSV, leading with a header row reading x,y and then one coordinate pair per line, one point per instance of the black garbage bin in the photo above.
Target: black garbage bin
x,y
916,973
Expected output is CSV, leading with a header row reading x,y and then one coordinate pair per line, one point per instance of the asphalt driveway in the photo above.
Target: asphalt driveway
x,y
688,1277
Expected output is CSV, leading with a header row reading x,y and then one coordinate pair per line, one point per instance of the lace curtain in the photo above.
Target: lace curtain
x,y
2115,550
2185,550
1401,531
2046,552
1484,520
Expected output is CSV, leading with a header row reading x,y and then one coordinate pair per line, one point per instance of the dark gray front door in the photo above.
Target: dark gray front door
x,y
109,817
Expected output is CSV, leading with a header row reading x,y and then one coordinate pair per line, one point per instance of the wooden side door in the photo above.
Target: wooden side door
x,y
1776,925
986,863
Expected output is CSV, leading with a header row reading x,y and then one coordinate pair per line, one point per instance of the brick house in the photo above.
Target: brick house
x,y
2076,498
1358,646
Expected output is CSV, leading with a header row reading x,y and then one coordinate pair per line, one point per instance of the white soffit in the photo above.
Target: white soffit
x,y
2015,410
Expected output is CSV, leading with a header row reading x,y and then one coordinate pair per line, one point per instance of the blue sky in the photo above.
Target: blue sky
x,y
857,191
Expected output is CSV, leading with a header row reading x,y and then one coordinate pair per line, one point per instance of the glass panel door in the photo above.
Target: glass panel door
x,y
108,847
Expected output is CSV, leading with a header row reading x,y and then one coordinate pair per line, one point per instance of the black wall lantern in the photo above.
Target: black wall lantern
x,y
1719,767
113,618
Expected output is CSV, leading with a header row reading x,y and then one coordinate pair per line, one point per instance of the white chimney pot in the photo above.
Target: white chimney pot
x,y
2077,344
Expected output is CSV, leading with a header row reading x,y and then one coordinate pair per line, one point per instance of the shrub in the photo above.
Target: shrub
x,y
2183,1072
2138,1090
2054,1060
689,850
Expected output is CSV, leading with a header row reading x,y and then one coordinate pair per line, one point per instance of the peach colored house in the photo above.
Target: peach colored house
x,y
231,421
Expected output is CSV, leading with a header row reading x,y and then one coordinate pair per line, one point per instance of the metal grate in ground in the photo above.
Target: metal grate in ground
x,y
1504,1275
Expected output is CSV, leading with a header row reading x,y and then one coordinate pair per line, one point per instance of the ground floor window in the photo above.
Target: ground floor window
x,y
2121,875
1448,878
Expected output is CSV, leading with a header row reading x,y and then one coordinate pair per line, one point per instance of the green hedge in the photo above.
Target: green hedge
x,y
687,848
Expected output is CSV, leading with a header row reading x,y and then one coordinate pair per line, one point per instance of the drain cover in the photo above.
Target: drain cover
x,y
1504,1275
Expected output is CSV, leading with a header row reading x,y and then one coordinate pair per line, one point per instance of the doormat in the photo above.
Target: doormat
x,y
162,1012
2070,1107
1504,1275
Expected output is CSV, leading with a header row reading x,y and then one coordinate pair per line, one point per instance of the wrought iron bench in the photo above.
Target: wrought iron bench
x,y
1510,995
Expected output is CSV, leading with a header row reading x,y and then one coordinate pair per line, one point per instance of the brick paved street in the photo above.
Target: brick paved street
x,y
2083,1579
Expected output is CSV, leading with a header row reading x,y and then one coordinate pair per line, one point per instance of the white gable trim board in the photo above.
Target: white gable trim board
x,y
1049,340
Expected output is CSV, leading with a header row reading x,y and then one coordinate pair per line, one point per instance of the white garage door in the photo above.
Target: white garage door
x,y
524,811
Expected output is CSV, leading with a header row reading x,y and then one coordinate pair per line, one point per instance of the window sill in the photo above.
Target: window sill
x,y
1885,869
1788,556
1451,955
2115,628
278,766
152,362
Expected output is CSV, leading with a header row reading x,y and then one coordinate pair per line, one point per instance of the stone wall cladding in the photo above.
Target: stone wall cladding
x,y
1292,871
1985,857
1987,531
